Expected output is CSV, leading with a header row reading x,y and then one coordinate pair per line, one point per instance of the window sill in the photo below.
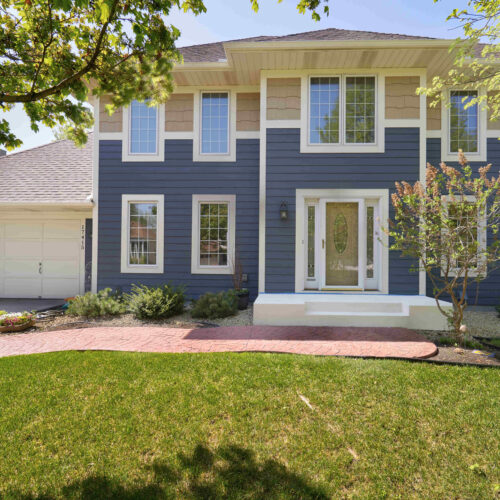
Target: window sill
x,y
341,148
141,270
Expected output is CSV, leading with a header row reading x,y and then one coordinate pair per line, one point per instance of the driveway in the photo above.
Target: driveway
x,y
21,305
324,341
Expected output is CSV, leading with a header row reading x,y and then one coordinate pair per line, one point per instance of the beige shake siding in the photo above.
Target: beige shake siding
x,y
108,123
248,111
496,124
179,113
401,100
283,99
433,115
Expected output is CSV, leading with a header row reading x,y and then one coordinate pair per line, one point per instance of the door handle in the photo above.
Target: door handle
x,y
39,268
322,243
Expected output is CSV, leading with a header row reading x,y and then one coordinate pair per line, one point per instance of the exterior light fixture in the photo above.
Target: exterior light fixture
x,y
283,211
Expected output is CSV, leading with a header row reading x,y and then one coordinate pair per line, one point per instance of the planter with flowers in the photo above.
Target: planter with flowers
x,y
15,322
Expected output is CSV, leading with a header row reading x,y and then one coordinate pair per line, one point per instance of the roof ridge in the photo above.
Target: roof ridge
x,y
10,155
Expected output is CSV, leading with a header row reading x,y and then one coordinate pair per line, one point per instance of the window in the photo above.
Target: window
x,y
213,234
471,236
143,129
355,96
142,234
463,121
214,123
370,236
311,236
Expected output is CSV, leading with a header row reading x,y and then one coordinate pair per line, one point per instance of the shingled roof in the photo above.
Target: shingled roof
x,y
213,52
56,173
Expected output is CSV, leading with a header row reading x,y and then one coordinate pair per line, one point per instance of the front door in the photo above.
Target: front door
x,y
341,244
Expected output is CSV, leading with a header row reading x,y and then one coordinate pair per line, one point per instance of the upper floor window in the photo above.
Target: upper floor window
x,y
214,123
143,128
342,110
463,121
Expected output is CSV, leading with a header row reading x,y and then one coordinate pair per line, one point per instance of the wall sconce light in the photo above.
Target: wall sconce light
x,y
283,211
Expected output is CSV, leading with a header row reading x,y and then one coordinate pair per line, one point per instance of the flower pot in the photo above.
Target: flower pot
x,y
16,328
242,300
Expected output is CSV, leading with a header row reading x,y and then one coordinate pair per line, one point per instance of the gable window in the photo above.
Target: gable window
x,y
342,110
213,234
214,123
463,122
469,225
143,129
142,233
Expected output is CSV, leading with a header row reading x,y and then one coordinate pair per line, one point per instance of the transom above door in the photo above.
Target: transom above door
x,y
340,241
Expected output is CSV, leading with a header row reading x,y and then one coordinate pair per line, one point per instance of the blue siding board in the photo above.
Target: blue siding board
x,y
488,293
287,170
178,178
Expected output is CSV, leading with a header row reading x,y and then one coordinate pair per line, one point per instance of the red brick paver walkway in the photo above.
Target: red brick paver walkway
x,y
325,341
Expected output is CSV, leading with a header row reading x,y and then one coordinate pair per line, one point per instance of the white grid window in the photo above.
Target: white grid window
x,y
324,111
214,226
463,122
143,128
142,233
342,110
360,109
214,123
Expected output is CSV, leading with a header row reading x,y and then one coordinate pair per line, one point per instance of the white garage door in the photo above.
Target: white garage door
x,y
40,259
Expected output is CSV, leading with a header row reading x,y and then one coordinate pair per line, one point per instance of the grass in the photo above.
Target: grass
x,y
108,425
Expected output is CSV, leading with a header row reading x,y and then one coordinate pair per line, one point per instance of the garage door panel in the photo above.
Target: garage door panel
x,y
23,229
22,268
23,249
60,268
61,249
66,229
23,287
58,288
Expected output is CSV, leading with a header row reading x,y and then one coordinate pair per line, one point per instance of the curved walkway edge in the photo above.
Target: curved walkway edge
x,y
323,341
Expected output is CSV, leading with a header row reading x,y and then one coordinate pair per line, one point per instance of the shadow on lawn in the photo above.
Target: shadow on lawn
x,y
229,472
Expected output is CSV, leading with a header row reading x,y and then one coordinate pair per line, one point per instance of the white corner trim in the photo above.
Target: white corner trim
x,y
159,156
422,277
95,196
160,241
446,154
377,147
197,155
230,199
262,184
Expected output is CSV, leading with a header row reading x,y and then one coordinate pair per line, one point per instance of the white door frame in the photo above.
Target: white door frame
x,y
379,199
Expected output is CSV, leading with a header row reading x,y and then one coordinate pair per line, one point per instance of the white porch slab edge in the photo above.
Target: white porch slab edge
x,y
330,309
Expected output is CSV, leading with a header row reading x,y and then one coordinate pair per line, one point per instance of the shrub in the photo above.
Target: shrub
x,y
215,305
103,303
156,302
498,310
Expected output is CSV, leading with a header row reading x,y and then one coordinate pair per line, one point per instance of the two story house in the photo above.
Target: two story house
x,y
282,152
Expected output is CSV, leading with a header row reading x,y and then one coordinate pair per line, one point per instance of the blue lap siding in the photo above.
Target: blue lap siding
x,y
488,291
287,170
178,178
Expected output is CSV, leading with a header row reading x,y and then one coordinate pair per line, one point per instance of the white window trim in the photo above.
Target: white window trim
x,y
482,234
369,196
196,268
482,126
159,156
159,199
342,147
214,157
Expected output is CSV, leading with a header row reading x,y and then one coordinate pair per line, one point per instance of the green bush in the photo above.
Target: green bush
x,y
103,303
215,305
498,310
156,302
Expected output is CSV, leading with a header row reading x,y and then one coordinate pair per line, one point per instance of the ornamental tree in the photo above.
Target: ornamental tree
x,y
443,226
53,51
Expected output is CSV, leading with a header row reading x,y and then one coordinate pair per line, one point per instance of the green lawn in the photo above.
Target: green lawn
x,y
127,425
